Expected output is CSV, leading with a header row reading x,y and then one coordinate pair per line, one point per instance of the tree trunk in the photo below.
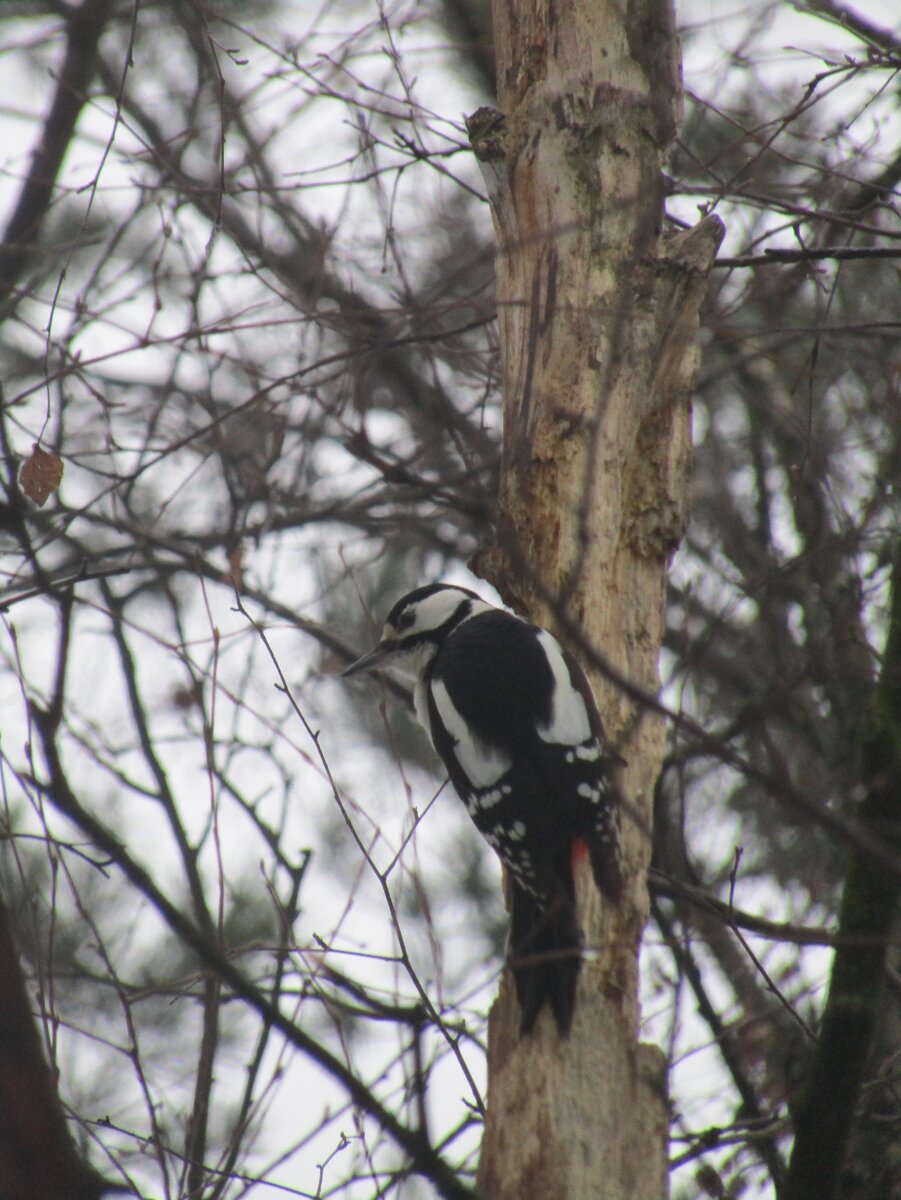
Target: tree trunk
x,y
38,1158
833,1109
598,318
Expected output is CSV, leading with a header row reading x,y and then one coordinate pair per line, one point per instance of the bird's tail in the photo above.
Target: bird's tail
x,y
546,954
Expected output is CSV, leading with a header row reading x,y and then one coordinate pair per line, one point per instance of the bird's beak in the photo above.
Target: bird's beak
x,y
370,660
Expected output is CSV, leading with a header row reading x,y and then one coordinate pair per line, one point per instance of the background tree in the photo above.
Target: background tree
x,y
249,303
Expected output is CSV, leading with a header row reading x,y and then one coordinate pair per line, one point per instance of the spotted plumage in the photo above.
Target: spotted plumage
x,y
512,717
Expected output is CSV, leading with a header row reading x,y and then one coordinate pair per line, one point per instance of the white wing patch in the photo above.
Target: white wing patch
x,y
569,723
488,797
483,765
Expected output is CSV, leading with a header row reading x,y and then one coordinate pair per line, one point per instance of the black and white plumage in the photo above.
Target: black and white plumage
x,y
513,719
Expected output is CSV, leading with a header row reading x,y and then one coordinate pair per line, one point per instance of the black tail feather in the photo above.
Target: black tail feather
x,y
605,855
545,952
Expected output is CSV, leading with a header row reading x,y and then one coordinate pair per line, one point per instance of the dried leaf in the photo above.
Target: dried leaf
x,y
187,697
235,573
41,475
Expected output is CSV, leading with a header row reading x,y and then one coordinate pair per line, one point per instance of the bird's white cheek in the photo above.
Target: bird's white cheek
x,y
413,662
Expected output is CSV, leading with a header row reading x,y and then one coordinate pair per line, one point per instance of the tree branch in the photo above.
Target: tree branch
x,y
828,253
423,1158
85,28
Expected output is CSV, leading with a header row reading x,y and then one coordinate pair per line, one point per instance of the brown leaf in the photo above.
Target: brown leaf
x,y
235,573
41,475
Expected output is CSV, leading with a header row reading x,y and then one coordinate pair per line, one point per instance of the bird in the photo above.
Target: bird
x,y
511,715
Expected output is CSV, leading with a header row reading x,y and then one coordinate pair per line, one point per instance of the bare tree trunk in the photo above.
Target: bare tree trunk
x,y
598,317
833,1112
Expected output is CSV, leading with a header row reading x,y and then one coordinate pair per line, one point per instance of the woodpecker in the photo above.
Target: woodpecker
x,y
513,719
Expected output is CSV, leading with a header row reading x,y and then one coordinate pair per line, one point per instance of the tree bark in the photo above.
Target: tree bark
x,y
38,1157
598,319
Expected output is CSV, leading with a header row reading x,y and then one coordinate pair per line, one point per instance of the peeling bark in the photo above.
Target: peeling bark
x,y
598,319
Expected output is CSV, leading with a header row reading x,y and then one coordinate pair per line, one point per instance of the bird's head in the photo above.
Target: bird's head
x,y
417,625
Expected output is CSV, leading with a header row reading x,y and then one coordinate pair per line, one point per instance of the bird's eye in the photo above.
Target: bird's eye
x,y
405,620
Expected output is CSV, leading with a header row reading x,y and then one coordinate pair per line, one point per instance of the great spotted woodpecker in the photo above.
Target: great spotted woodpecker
x,y
513,719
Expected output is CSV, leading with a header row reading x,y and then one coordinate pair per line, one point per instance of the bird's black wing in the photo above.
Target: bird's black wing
x,y
585,772
516,725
